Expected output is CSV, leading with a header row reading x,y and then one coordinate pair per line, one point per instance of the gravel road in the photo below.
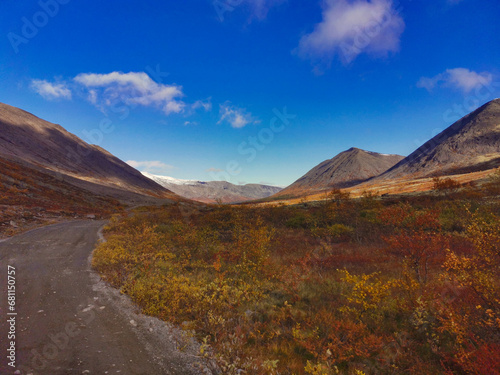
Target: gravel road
x,y
70,322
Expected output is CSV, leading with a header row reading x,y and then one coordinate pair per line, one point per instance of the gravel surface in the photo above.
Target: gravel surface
x,y
70,322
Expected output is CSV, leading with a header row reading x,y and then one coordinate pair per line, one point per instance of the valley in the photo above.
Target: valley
x,y
348,270
250,187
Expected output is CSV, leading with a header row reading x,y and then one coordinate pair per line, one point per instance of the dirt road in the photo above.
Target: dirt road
x,y
69,322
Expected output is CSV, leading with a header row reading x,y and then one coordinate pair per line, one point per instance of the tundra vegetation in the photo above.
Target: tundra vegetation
x,y
407,285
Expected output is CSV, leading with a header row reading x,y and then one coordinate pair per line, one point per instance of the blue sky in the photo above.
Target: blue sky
x,y
249,90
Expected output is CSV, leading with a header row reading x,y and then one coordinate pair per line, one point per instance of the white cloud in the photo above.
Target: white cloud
x,y
428,83
150,166
92,97
50,90
351,27
205,104
458,78
236,117
134,88
468,80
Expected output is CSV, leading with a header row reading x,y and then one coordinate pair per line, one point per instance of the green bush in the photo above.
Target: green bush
x,y
340,232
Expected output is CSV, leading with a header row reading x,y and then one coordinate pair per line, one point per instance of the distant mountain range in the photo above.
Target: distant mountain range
x,y
42,164
348,168
469,145
214,191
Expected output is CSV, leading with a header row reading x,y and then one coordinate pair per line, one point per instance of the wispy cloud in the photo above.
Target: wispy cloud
x,y
236,117
212,169
150,165
459,78
205,104
260,8
352,27
49,90
134,88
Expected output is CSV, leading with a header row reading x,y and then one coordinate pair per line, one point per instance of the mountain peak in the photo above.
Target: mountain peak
x,y
491,105
353,149
348,168
470,144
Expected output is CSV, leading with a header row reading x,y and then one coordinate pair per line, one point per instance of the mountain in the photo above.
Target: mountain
x,y
30,142
347,169
471,144
213,191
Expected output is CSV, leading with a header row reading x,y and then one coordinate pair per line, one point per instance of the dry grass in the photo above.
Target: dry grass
x,y
407,185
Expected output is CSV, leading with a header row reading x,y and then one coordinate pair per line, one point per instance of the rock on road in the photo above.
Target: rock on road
x,y
70,322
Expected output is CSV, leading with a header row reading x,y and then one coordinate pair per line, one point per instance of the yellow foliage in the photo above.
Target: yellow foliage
x,y
366,291
319,369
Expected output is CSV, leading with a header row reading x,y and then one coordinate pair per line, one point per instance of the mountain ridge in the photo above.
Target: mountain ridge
x,y
214,191
468,145
29,140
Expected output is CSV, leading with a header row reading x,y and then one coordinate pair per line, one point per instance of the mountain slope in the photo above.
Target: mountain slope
x,y
213,191
348,168
29,197
28,140
470,144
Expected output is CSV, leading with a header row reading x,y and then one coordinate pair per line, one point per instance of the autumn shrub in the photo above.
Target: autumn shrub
x,y
367,295
340,232
345,286
446,184
416,238
299,220
472,314
492,186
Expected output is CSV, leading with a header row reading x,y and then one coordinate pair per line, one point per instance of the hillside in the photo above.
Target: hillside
x,y
469,145
35,143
